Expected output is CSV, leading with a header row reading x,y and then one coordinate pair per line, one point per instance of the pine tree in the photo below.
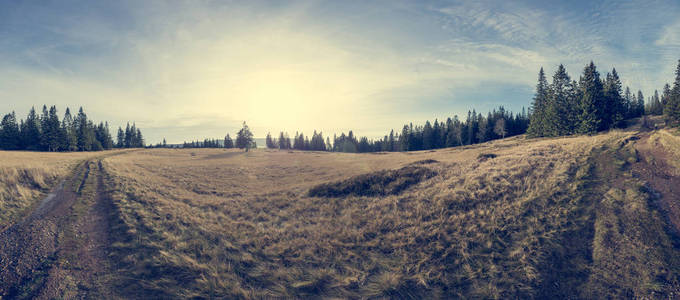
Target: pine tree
x,y
244,138
52,135
657,107
640,105
67,128
30,132
271,143
629,105
613,113
9,132
120,140
228,142
46,131
557,111
83,132
428,136
282,141
672,110
127,141
591,104
139,138
483,129
537,125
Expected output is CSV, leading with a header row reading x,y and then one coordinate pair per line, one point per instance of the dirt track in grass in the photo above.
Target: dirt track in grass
x,y
59,250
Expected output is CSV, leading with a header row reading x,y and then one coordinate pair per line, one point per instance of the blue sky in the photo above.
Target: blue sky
x,y
194,69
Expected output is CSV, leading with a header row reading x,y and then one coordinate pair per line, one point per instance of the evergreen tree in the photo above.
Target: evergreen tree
x,y
284,141
639,105
30,132
614,113
271,143
655,106
537,126
591,104
128,137
45,130
672,110
228,142
629,105
84,133
244,138
120,141
428,136
9,132
68,129
483,129
139,139
557,111
52,136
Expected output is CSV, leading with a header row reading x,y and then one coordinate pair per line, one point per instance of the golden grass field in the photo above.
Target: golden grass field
x,y
535,221
547,218
26,177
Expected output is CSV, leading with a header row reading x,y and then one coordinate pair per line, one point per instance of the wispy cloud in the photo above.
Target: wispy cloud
x,y
199,68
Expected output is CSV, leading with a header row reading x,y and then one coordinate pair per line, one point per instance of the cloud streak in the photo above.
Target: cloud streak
x,y
198,69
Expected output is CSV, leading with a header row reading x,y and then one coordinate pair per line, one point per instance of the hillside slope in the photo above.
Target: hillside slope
x,y
567,217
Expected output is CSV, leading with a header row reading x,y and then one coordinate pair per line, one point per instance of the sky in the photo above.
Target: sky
x,y
184,70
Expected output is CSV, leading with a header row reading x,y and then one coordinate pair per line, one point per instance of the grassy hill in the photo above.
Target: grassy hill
x,y
575,217
568,217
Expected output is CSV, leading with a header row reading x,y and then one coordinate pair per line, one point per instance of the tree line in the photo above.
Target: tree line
x,y
670,100
299,142
244,140
592,104
46,132
477,128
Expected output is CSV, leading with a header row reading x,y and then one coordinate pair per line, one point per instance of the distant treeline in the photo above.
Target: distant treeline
x,y
46,132
244,140
453,132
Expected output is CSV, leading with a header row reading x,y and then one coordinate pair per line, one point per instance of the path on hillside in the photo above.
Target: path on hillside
x,y
59,250
653,168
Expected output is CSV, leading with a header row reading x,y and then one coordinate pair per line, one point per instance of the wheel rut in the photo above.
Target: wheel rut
x,y
653,167
60,249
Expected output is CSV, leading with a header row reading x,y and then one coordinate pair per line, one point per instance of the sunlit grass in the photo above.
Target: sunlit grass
x,y
26,177
526,222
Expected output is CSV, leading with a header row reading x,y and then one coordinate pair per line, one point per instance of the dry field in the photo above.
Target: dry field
x,y
26,177
513,218
578,217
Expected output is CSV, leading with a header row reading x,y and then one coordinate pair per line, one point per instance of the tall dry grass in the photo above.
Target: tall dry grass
x,y
26,177
526,221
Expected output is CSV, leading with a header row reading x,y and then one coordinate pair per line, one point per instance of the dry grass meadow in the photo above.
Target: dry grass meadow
x,y
26,177
511,218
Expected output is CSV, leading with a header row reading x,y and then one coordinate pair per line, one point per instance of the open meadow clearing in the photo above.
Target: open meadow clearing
x,y
583,217
502,219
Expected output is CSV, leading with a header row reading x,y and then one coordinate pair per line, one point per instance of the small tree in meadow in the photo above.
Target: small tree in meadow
x,y
244,138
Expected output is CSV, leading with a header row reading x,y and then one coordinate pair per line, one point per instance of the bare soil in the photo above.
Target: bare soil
x,y
653,168
59,250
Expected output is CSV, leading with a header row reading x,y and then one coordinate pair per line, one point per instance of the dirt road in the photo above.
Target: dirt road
x,y
653,167
59,250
